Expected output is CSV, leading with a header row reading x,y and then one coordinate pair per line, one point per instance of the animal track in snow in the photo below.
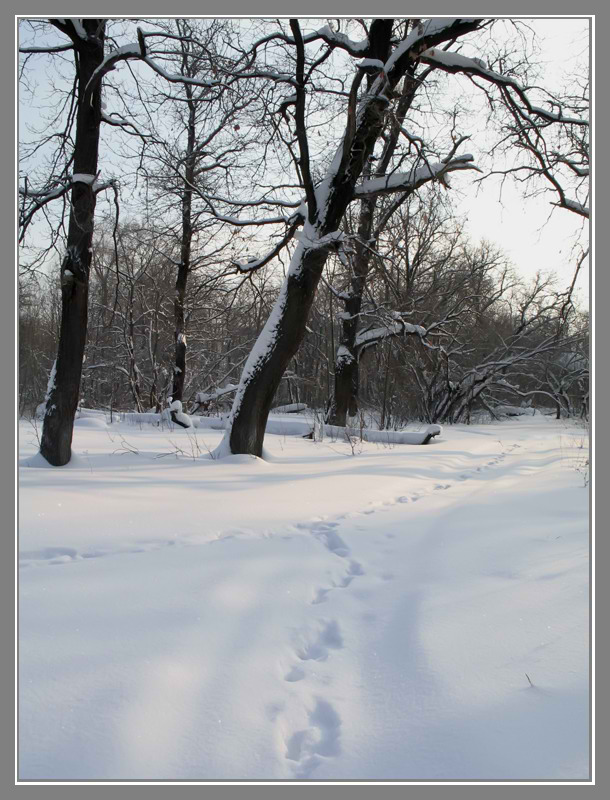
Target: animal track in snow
x,y
328,638
50,555
418,495
296,674
322,739
354,570
69,555
325,532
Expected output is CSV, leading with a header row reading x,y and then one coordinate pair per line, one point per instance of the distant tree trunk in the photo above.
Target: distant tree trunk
x,y
345,399
63,395
185,259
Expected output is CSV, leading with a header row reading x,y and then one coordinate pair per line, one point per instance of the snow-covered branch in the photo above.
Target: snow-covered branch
x,y
60,48
411,181
372,336
137,50
33,201
456,62
326,34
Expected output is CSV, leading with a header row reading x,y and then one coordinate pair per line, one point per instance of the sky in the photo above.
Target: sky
x,y
533,235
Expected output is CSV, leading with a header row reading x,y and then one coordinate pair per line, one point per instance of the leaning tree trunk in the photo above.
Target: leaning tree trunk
x,y
63,393
277,344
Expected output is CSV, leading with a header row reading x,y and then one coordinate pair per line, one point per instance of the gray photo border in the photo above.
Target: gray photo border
x,y
600,283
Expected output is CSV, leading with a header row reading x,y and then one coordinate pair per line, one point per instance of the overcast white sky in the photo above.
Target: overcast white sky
x,y
532,234
522,228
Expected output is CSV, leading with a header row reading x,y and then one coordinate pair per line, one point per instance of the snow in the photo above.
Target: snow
x,y
403,181
340,39
204,397
428,28
78,27
399,328
371,62
456,61
450,59
175,408
50,388
83,177
343,355
314,242
319,615
289,408
260,351
578,207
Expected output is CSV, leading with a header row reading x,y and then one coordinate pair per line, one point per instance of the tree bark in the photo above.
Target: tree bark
x,y
62,399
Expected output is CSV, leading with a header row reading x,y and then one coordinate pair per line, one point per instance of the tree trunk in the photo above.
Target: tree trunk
x,y
63,394
185,260
345,399
277,344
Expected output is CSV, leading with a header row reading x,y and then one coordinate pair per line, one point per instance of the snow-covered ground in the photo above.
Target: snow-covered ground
x,y
336,611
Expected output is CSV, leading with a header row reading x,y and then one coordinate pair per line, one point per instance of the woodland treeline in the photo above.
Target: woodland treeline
x,y
242,217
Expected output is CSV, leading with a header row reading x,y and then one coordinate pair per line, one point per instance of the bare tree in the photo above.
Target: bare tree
x,y
86,40
327,200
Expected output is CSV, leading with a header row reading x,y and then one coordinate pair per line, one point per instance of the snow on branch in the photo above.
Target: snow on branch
x,y
34,201
83,177
60,48
124,53
572,205
432,31
327,34
455,62
337,39
138,51
78,27
118,121
372,336
312,241
298,204
410,181
46,195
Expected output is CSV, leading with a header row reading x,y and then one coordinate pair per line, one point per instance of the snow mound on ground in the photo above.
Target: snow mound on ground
x,y
38,461
90,422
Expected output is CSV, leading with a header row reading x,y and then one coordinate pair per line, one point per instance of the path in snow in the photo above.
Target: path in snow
x,y
321,527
